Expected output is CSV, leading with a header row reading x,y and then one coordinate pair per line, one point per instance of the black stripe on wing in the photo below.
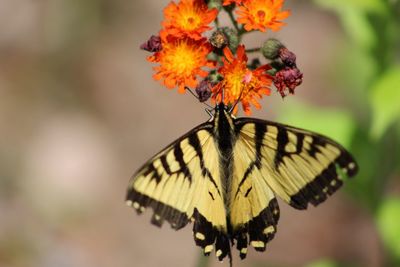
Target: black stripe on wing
x,y
205,235
162,211
259,231
326,183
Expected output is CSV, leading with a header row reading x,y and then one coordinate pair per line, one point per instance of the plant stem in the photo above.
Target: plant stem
x,y
253,50
234,22
216,22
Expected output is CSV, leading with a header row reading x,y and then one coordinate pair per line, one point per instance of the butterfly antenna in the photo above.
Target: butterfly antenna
x,y
237,101
193,94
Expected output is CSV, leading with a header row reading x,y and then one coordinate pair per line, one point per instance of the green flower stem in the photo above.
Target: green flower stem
x,y
216,22
243,31
234,22
253,50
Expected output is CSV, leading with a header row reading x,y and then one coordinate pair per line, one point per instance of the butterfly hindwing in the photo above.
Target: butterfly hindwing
x,y
254,209
300,166
182,184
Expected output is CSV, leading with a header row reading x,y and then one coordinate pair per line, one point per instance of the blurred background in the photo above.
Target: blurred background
x,y
80,112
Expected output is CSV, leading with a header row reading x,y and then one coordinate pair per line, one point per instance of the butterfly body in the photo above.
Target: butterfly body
x,y
224,174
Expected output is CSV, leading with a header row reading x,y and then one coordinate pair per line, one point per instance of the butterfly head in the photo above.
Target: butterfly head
x,y
221,107
222,110
222,117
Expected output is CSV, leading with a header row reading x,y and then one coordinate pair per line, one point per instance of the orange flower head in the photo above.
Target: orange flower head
x,y
262,14
181,61
240,83
188,18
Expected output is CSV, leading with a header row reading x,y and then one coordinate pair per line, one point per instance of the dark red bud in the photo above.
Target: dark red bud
x,y
203,90
153,44
288,57
287,79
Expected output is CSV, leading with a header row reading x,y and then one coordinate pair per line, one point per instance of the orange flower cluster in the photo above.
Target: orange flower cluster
x,y
261,14
181,60
190,18
182,50
240,82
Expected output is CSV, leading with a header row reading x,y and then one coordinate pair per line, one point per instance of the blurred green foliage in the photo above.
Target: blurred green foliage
x,y
370,68
330,122
384,99
388,218
323,263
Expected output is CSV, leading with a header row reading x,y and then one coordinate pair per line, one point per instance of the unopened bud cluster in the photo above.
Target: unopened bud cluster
x,y
286,74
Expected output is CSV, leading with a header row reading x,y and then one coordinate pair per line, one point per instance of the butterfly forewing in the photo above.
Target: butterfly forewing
x,y
300,166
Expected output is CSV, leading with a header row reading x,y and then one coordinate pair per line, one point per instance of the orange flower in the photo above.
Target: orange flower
x,y
181,61
228,2
188,18
262,14
240,83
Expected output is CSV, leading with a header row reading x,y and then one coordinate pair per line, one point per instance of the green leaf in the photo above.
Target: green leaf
x,y
322,263
384,98
335,123
388,220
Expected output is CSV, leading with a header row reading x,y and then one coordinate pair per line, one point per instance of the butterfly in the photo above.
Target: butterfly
x,y
225,174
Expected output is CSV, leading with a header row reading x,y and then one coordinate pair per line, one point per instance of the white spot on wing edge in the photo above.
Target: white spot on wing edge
x,y
200,236
257,244
135,205
270,229
208,249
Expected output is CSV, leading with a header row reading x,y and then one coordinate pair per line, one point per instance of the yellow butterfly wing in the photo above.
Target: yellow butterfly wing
x,y
269,158
182,184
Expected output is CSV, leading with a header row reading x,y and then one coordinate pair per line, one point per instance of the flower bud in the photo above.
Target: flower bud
x,y
270,48
233,38
218,39
288,57
203,90
153,44
214,4
287,79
